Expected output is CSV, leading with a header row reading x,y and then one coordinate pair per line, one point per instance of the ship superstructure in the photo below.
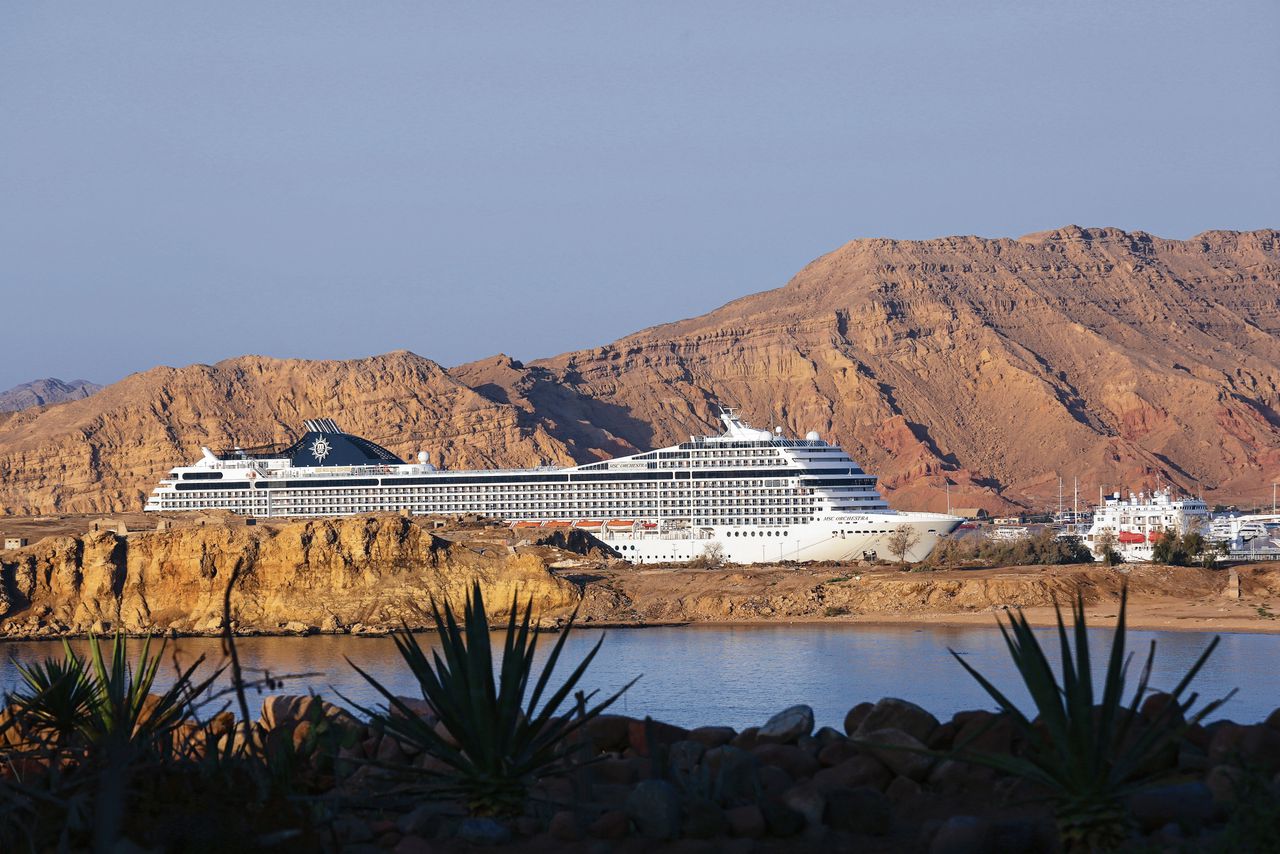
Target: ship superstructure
x,y
748,495
1133,525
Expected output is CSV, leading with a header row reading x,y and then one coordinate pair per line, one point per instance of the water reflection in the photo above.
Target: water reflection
x,y
739,675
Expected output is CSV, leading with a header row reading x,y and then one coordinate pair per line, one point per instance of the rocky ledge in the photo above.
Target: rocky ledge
x,y
355,574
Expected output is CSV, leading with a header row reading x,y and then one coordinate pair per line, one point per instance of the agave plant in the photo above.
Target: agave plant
x,y
496,743
1088,753
107,701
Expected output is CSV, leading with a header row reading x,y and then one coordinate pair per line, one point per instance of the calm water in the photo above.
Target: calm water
x,y
741,675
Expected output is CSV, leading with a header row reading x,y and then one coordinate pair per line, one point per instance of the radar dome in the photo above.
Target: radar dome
x,y
812,436
423,456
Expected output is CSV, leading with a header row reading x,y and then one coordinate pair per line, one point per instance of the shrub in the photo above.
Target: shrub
x,y
1089,757
502,742
1045,547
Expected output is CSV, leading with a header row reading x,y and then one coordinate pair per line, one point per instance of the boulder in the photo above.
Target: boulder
x,y
746,739
961,834
900,751
418,706
859,771
617,771
773,781
951,777
807,799
611,824
781,820
853,719
1161,706
838,752
286,710
794,760
645,735
712,736
1225,782
892,713
654,808
983,732
902,789
736,770
1190,803
684,756
745,821
423,820
863,810
564,826
828,735
609,732
484,831
787,725
703,819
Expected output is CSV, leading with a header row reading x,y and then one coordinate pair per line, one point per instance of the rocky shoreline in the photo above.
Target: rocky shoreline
x,y
883,782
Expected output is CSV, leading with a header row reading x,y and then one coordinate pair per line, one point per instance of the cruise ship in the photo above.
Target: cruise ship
x,y
1135,524
745,496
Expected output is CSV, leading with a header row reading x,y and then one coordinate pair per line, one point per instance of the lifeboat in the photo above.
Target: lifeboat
x,y
1130,538
1154,537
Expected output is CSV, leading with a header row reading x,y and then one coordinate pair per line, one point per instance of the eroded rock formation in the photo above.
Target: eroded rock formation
x,y
331,575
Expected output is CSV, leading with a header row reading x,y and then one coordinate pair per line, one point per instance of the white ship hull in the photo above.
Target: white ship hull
x,y
838,539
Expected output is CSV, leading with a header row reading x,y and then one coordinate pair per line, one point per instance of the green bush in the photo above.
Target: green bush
x,y
1045,547
498,744
1089,753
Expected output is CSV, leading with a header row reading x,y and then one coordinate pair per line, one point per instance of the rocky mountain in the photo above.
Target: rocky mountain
x,y
106,452
986,368
43,392
997,366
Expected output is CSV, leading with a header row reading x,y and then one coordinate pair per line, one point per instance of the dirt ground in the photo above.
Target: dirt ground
x,y
1160,597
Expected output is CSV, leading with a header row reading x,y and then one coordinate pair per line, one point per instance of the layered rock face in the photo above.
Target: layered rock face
x,y
333,574
998,365
987,367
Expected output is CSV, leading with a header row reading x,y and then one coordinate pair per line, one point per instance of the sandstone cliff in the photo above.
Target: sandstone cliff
x,y
335,574
991,366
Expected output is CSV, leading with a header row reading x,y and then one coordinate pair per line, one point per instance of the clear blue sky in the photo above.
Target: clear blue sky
x,y
185,182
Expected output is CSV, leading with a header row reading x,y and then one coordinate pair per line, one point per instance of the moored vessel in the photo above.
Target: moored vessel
x,y
1133,525
745,496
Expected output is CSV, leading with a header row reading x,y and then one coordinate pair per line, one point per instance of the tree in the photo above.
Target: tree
x,y
1210,553
1105,545
712,556
903,539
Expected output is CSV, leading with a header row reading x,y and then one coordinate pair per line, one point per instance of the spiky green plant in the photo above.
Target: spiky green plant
x,y
498,743
57,697
107,699
1088,753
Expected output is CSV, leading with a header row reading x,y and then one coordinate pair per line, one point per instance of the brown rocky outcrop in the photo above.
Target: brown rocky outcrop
x,y
997,366
370,571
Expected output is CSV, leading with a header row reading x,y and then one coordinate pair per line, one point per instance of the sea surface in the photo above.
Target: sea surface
x,y
740,675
